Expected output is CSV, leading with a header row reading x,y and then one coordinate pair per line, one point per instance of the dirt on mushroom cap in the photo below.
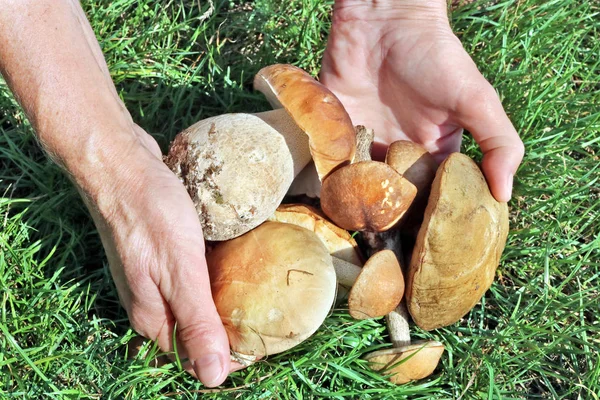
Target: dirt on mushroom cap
x,y
458,246
236,169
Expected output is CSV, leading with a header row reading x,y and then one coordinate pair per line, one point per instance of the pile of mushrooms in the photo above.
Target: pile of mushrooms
x,y
276,269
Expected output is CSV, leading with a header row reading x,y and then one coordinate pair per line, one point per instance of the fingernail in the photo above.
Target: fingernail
x,y
209,369
509,186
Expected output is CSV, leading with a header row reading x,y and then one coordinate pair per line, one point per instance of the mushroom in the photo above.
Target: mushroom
x,y
414,162
458,246
405,361
315,109
376,288
417,165
338,241
238,167
366,195
273,288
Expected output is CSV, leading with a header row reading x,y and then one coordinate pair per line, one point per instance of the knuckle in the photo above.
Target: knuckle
x,y
198,331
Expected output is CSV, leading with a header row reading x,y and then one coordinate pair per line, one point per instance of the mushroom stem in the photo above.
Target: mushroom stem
x,y
364,143
397,322
345,271
295,138
388,240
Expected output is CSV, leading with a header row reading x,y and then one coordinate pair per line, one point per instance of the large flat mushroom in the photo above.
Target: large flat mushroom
x,y
238,167
273,288
458,246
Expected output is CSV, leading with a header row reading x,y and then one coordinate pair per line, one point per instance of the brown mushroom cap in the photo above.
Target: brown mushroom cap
x,y
378,288
367,195
407,363
338,241
458,246
315,109
273,287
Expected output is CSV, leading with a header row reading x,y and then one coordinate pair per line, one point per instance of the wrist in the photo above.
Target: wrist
x,y
390,10
111,178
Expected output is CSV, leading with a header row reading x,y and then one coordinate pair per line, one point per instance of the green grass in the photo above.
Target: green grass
x,y
536,334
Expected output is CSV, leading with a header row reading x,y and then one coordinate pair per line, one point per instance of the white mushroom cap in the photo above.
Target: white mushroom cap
x,y
273,287
236,168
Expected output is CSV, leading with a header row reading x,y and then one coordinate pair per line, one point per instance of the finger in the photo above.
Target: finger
x,y
481,112
199,327
450,138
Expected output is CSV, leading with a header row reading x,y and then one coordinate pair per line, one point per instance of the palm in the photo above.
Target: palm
x,y
405,85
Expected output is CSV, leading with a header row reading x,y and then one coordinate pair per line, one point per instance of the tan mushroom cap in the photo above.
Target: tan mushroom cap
x,y
458,246
273,287
378,288
367,195
417,165
407,363
413,162
338,241
315,109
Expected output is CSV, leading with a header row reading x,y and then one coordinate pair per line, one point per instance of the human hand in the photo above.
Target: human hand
x,y
147,222
398,68
153,240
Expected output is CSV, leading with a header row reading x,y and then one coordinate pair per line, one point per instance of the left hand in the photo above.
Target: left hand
x,y
398,68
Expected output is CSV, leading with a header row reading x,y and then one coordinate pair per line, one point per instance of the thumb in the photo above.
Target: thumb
x,y
199,328
481,113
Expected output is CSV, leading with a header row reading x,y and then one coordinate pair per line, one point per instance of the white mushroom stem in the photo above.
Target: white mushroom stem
x,y
242,359
346,272
397,322
295,138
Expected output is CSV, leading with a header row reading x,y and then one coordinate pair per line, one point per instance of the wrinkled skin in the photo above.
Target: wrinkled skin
x,y
398,68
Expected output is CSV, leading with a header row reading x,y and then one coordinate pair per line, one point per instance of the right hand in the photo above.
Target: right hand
x,y
153,239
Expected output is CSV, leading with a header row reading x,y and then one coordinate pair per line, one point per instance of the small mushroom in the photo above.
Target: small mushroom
x,y
417,165
238,167
414,162
366,195
376,288
273,288
458,246
406,361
